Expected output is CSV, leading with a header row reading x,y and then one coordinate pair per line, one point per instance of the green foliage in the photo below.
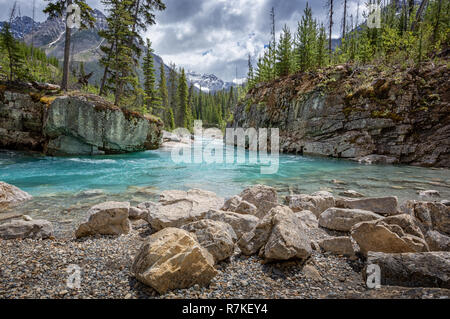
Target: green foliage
x,y
284,59
152,99
306,42
184,118
406,38
33,64
15,58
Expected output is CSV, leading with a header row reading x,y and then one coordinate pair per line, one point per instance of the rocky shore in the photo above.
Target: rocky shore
x,y
195,244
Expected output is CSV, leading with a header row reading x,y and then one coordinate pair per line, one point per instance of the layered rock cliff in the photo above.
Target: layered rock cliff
x,y
351,112
73,124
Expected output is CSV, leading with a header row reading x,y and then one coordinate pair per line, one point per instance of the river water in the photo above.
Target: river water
x,y
64,188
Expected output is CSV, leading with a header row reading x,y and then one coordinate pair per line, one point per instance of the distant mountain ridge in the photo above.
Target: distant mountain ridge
x,y
49,35
208,82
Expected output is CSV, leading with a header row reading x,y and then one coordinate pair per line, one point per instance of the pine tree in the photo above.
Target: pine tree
x,y
142,15
173,94
284,62
331,12
152,99
14,54
306,39
321,47
119,56
184,118
163,94
56,8
171,119
250,74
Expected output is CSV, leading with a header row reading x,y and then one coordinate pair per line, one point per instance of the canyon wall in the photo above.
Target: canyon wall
x,y
371,113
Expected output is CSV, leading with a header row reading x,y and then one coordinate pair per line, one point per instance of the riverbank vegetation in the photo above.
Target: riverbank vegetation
x,y
408,33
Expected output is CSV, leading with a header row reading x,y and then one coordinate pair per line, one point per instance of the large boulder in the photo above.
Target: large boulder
x,y
22,229
110,218
316,203
308,219
85,124
278,236
10,194
241,223
389,236
437,241
173,259
338,245
217,237
237,205
434,216
342,219
177,208
427,269
385,206
263,197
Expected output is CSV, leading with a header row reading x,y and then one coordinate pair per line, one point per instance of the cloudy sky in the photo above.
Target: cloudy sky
x,y
215,36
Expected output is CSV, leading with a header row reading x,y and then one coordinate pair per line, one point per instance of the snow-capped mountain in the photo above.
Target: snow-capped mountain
x,y
209,82
20,26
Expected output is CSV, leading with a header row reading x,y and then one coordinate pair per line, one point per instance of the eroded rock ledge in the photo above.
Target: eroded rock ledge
x,y
370,114
74,124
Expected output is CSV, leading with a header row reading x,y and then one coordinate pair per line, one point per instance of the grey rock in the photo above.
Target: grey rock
x,y
10,194
177,208
241,223
389,235
278,236
342,219
110,218
217,237
383,205
316,203
427,269
263,197
338,245
22,229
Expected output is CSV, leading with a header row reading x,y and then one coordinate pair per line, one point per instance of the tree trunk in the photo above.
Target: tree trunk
x,y
345,20
105,74
331,28
436,26
65,77
419,14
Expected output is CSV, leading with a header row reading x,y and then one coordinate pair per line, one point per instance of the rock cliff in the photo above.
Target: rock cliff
x,y
73,124
402,114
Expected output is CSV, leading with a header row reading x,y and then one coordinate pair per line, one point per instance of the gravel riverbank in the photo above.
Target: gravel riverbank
x,y
38,269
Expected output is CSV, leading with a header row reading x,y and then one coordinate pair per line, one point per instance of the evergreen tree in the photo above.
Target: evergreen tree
x,y
173,94
141,16
306,41
163,94
284,63
171,119
250,75
118,56
321,47
13,53
185,115
152,99
56,8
